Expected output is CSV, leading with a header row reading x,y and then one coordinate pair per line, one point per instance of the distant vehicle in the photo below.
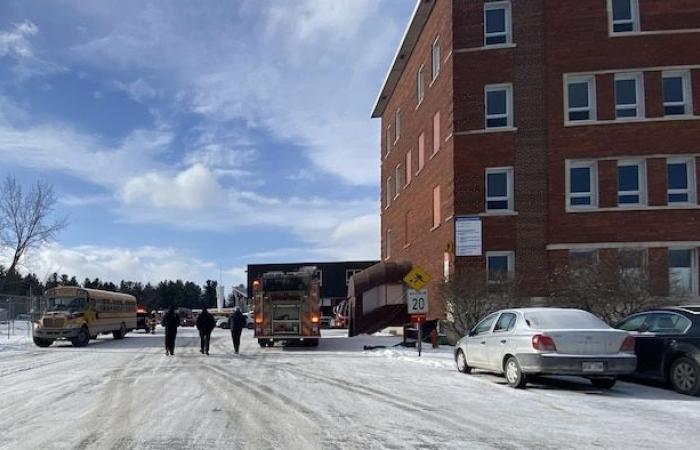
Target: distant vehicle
x,y
24,317
222,323
78,315
287,307
667,342
143,319
521,343
186,317
249,320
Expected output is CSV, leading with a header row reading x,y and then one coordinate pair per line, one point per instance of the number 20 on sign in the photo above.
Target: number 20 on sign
x,y
417,301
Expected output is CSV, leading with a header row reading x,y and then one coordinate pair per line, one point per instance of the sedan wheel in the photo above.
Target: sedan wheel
x,y
514,375
685,376
462,365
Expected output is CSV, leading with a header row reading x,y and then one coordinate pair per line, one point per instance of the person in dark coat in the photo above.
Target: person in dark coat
x,y
205,325
236,323
171,321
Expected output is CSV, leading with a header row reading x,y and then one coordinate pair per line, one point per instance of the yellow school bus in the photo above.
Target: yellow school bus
x,y
78,315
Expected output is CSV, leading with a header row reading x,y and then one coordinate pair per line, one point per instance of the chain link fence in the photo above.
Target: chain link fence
x,y
17,314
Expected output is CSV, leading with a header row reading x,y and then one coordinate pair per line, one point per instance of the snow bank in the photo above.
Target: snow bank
x,y
15,336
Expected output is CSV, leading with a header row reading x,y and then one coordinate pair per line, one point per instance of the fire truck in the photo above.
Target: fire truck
x,y
287,307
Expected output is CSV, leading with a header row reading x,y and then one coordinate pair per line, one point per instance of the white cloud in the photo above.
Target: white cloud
x,y
192,189
16,44
144,264
138,90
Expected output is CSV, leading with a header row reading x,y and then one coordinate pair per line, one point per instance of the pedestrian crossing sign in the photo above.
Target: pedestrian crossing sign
x,y
417,278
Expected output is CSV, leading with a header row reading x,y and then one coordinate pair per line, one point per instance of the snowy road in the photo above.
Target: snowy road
x,y
127,394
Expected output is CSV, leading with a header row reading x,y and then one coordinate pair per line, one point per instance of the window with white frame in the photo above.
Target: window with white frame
x,y
582,184
388,244
389,193
499,189
680,176
388,139
624,16
633,263
420,80
409,164
631,183
349,273
677,93
397,125
683,271
497,23
398,180
437,213
629,95
436,132
421,151
436,58
500,266
580,96
499,106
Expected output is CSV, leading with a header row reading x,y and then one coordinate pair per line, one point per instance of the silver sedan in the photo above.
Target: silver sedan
x,y
522,343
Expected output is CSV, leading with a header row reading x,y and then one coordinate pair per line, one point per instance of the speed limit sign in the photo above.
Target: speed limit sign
x,y
417,301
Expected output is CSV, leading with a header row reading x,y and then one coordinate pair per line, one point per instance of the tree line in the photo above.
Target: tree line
x,y
153,296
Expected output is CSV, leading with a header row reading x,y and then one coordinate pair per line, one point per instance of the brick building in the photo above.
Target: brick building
x,y
559,129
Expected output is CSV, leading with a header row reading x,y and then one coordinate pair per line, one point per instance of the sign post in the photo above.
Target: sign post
x,y
418,309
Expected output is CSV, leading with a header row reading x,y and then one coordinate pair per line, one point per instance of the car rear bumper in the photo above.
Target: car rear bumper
x,y
552,364
61,333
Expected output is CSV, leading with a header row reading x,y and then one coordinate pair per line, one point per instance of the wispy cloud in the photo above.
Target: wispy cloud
x,y
16,45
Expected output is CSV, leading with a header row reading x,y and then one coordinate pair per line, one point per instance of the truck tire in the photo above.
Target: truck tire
x,y
82,339
262,343
42,342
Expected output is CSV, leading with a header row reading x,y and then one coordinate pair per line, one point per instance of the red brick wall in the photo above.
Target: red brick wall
x,y
669,14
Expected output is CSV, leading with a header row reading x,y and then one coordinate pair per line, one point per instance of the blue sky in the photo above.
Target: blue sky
x,y
185,138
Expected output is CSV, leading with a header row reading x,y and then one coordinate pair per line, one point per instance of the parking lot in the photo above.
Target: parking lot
x,y
127,394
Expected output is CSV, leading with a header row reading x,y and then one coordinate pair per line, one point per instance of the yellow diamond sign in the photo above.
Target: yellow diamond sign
x,y
417,278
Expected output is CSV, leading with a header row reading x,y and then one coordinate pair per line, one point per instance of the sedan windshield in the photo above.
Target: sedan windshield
x,y
66,304
563,320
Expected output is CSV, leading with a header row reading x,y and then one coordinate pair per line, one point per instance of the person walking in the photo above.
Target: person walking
x,y
171,321
236,323
205,325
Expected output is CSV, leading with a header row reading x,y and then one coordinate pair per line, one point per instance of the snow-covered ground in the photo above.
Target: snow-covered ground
x,y
15,335
128,394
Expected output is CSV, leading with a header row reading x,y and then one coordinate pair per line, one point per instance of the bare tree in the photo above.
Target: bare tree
x,y
470,296
25,219
611,288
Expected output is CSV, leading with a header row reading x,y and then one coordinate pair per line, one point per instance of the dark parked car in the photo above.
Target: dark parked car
x,y
668,346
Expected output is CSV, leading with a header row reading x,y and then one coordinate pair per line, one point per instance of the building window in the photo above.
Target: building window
x,y
497,23
681,180
397,125
397,181
583,258
388,139
631,183
499,266
629,96
499,106
436,58
421,151
581,98
677,93
582,185
421,85
388,244
633,263
683,271
436,132
499,189
436,207
625,16
389,194
349,273
409,163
